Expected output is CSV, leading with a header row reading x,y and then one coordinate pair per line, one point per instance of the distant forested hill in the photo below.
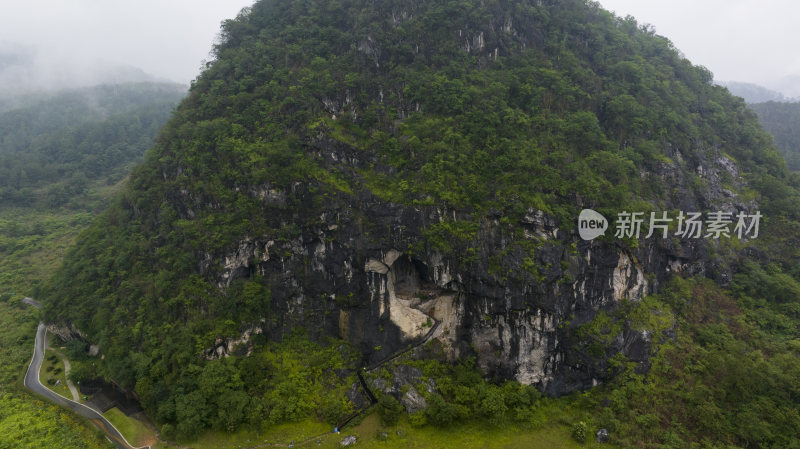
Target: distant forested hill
x,y
52,146
753,93
782,120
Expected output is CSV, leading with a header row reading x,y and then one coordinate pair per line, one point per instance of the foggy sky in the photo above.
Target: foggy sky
x,y
738,40
165,38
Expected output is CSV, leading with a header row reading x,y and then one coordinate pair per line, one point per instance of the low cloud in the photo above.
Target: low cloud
x,y
25,69
82,41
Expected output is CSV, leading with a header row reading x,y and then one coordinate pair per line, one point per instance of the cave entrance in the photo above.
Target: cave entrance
x,y
409,276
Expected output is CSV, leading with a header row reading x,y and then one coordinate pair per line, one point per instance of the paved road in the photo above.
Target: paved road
x,y
33,383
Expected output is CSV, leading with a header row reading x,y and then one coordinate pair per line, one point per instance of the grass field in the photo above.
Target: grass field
x,y
468,435
52,371
136,432
280,435
370,433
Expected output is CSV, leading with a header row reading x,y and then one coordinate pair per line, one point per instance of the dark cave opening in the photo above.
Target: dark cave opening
x,y
410,276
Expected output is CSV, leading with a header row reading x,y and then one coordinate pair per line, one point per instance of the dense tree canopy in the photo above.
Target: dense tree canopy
x,y
469,105
52,147
781,120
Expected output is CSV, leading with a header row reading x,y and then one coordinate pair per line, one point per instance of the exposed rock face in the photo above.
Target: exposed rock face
x,y
401,376
361,281
511,288
356,395
240,346
412,401
66,332
402,387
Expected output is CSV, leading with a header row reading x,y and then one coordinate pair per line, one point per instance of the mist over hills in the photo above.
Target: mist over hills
x,y
786,89
789,85
78,135
753,93
24,70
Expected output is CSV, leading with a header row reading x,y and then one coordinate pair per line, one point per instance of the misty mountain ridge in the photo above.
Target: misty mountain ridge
x,y
82,104
782,91
54,145
753,93
25,70
789,85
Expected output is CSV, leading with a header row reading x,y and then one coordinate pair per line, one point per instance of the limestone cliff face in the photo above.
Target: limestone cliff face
x,y
361,270
370,164
66,332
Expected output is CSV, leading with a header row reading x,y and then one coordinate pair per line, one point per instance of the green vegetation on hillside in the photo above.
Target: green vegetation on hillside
x,y
27,422
52,151
575,108
61,157
33,243
728,378
781,120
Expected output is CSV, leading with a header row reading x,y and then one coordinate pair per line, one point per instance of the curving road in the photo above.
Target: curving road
x,y
32,382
